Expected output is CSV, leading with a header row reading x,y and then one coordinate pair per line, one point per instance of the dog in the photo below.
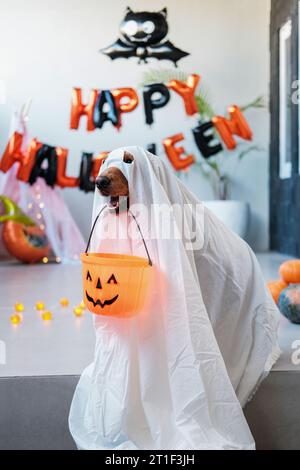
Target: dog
x,y
112,183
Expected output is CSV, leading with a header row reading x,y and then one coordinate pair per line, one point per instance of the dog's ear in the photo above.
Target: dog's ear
x,y
127,157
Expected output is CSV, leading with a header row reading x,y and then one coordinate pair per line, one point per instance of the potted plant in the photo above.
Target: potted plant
x,y
219,169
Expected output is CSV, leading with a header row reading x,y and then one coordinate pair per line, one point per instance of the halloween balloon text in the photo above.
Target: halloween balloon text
x,y
107,107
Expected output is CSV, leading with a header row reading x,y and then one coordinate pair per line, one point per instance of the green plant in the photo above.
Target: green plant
x,y
219,169
160,75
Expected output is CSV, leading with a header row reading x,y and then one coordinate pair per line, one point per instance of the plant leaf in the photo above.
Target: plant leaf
x,y
161,75
250,149
257,103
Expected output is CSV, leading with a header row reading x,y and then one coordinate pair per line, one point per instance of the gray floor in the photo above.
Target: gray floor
x,y
62,346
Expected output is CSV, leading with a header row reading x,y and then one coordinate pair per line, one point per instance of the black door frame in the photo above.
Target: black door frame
x,y
284,193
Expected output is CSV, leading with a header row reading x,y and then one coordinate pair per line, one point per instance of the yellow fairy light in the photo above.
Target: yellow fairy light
x,y
29,205
40,306
15,319
19,307
82,305
64,302
42,227
45,260
77,311
41,205
47,316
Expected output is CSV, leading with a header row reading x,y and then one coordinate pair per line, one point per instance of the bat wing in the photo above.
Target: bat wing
x,y
119,49
166,51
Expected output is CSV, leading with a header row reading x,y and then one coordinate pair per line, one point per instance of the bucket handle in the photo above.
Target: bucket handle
x,y
139,229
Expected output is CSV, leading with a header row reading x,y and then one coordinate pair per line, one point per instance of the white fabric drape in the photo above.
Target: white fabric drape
x,y
176,376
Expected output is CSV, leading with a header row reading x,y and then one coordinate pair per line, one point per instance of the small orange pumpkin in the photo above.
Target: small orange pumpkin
x,y
290,271
275,288
27,243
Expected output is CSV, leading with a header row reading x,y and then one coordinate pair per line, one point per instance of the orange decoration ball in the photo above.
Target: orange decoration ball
x,y
290,271
275,288
15,319
47,316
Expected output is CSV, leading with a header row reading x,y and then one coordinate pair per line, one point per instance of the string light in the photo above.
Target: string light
x,y
19,307
40,306
42,205
42,227
29,205
57,259
64,302
15,319
45,260
38,215
46,316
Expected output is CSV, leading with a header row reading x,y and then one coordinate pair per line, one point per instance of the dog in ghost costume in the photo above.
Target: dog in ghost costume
x,y
177,375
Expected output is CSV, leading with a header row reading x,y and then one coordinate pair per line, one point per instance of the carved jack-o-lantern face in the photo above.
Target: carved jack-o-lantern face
x,y
94,293
115,285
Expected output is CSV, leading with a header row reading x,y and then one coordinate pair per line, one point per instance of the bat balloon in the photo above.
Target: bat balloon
x,y
142,35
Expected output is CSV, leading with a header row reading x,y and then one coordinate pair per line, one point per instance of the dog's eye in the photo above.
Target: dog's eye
x,y
127,160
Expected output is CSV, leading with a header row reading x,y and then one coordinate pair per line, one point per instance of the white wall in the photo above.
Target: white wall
x,y
52,45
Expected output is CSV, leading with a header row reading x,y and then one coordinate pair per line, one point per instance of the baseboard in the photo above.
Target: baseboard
x,y
34,412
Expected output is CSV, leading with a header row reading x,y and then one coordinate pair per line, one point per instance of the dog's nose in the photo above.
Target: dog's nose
x,y
102,183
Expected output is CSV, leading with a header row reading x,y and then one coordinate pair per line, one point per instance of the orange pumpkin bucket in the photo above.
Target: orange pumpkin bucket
x,y
115,284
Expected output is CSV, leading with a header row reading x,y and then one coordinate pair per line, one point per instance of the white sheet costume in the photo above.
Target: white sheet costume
x,y
177,375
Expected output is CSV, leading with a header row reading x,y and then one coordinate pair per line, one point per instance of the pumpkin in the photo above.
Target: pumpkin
x,y
115,284
289,303
290,271
27,243
275,287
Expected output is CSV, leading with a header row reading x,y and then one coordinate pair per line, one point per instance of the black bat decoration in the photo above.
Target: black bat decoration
x,y
142,35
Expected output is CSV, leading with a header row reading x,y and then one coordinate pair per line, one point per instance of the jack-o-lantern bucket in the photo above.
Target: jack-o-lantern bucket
x,y
115,284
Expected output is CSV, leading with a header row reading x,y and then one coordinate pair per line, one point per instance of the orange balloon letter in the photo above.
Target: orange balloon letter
x,y
26,166
187,92
128,105
13,153
79,109
236,125
175,153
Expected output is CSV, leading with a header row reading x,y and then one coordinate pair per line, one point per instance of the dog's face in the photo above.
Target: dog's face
x,y
112,182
